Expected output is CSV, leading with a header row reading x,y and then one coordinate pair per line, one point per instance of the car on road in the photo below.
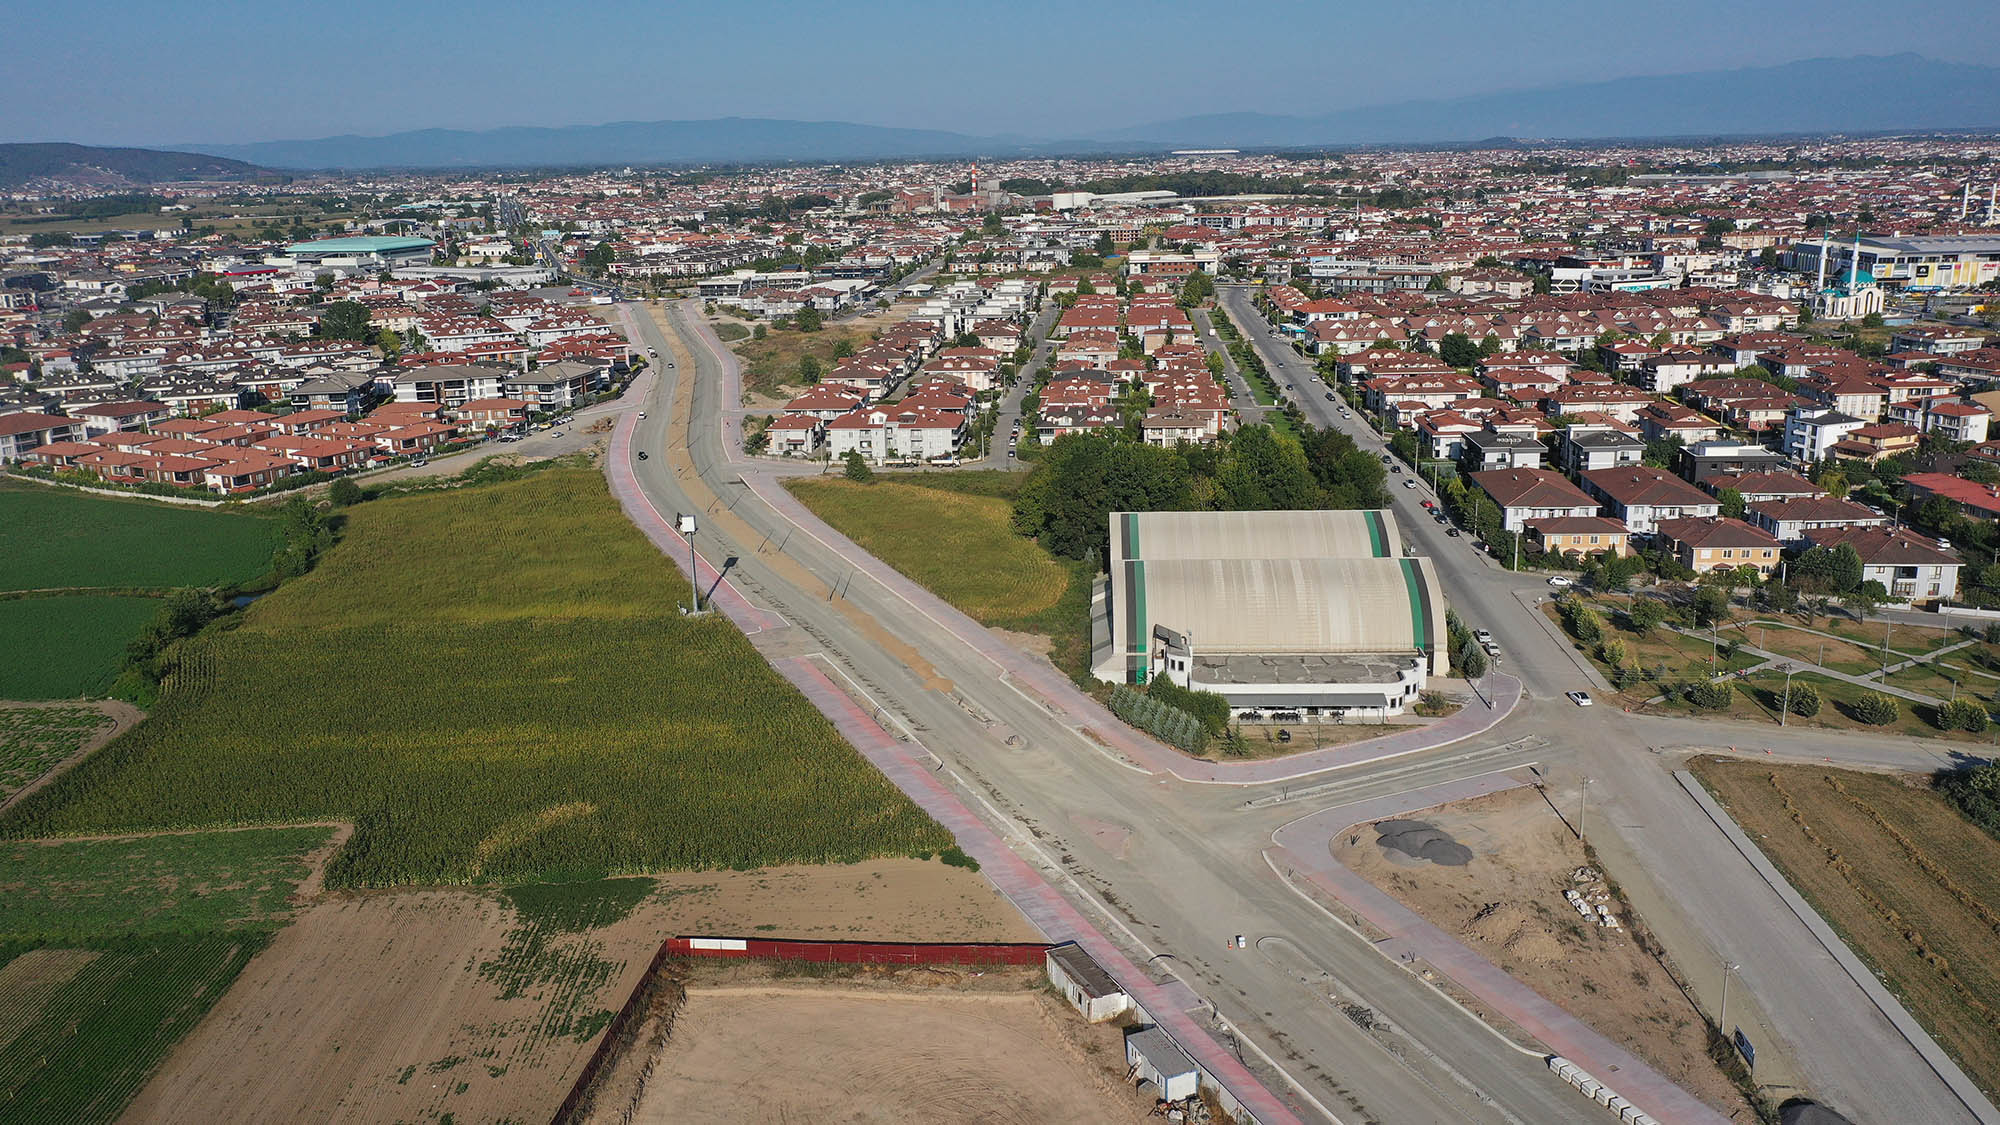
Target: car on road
x,y
1386,458
1558,580
1482,635
1580,698
1409,484
558,433
1451,531
1345,414
1330,396
1429,506
419,462
510,437
1397,469
642,414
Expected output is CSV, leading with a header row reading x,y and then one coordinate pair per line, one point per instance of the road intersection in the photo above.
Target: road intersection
x,y
1167,860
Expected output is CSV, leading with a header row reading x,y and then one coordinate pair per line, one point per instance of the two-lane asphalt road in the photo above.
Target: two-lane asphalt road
x,y
1149,858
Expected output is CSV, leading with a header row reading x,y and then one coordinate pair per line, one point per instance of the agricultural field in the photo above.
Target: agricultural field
x,y
34,740
584,728
112,950
55,538
951,533
67,647
1913,887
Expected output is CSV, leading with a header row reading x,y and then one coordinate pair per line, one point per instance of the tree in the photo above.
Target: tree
x,y
74,320
344,493
1458,350
1834,482
1197,290
1876,709
842,348
1864,598
1708,695
992,226
1961,714
1711,605
1825,570
759,332
857,467
1103,247
1803,701
809,319
1732,503
344,320
1645,614
390,341
809,370
1472,662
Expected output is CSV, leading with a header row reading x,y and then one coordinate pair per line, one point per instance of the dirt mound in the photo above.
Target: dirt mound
x,y
1419,840
1532,944
1497,922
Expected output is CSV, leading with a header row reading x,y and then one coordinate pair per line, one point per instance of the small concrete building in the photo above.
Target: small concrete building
x,y
1155,1058
1089,988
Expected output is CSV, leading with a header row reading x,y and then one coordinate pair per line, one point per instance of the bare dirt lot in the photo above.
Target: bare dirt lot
x,y
407,1006
832,1052
1506,902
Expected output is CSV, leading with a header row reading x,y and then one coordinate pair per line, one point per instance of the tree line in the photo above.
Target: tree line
x,y
1067,501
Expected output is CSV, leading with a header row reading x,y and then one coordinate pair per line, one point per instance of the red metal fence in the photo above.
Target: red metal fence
x,y
863,952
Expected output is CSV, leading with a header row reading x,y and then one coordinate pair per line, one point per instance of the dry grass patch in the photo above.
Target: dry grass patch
x,y
1910,884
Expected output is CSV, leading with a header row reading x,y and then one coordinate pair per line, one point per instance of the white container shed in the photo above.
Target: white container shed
x,y
1089,988
1155,1058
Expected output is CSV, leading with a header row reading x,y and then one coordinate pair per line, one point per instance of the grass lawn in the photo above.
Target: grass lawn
x,y
951,534
1798,644
772,363
34,739
56,537
1936,682
1910,884
67,647
1759,697
1910,640
112,950
494,684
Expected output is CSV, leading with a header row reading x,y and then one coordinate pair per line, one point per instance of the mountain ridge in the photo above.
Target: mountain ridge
x,y
23,162
1862,94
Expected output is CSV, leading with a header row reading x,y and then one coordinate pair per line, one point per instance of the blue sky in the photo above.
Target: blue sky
x,y
217,71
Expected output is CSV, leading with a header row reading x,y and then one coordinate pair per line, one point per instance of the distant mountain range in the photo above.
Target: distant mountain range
x,y
114,167
1858,95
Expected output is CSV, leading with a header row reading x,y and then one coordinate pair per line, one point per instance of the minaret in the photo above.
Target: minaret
x,y
1992,197
1965,201
1822,261
1854,265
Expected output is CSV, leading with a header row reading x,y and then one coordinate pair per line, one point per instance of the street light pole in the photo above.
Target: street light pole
x,y
1722,1017
685,524
1785,711
1583,810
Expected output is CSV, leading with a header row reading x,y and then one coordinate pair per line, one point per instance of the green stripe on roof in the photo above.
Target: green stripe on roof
x,y
1420,623
1378,536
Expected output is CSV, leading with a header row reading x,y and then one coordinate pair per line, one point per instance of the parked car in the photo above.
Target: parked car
x,y
642,455
1330,397
1429,506
1558,580
419,462
1580,698
642,414
1409,484
1451,531
1482,635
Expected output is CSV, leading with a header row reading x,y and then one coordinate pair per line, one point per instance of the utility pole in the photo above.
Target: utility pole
x,y
1785,711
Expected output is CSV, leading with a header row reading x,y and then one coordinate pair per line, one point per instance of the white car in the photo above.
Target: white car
x,y
1409,484
1554,580
1580,698
1482,635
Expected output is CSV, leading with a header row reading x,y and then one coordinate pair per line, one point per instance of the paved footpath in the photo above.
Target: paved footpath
x,y
1306,845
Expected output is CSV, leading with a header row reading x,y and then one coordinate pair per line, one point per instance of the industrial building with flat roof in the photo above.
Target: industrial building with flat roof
x,y
368,252
1307,613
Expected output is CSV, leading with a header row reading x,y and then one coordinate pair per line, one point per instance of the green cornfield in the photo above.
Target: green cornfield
x,y
34,739
494,684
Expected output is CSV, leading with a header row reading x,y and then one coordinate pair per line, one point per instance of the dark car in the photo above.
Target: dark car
x,y
642,455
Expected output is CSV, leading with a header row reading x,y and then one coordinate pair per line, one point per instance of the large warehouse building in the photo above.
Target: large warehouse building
x,y
1312,614
366,252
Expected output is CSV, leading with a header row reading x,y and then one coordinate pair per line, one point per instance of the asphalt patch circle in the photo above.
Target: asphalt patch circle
x,y
1421,840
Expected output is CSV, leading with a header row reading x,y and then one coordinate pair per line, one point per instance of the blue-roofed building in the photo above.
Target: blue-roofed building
x,y
363,252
